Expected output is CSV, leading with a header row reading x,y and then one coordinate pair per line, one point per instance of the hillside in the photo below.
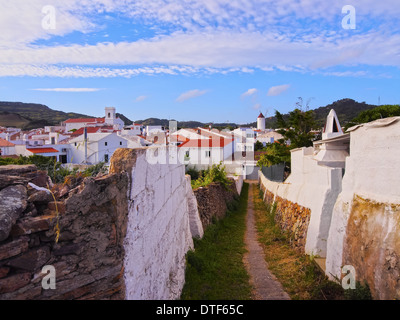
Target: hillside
x,y
31,115
346,110
183,124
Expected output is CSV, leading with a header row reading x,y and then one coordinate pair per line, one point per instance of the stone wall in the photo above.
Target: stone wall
x,y
314,189
213,201
124,235
365,229
159,223
292,218
88,257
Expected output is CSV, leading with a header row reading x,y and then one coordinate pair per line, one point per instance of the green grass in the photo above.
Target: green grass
x,y
299,275
215,270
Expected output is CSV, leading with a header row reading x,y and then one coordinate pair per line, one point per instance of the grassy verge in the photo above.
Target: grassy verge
x,y
299,275
215,270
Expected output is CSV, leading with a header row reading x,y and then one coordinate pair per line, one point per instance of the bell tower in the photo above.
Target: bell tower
x,y
110,115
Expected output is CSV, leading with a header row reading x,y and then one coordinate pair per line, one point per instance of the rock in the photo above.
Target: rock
x,y
32,225
41,179
6,181
13,248
16,170
12,204
40,197
32,260
58,206
4,272
14,282
67,249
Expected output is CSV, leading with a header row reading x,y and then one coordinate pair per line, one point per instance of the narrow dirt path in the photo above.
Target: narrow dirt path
x,y
266,286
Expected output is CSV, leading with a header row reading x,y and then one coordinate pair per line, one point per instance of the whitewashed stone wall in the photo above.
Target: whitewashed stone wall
x,y
238,179
312,186
373,175
159,228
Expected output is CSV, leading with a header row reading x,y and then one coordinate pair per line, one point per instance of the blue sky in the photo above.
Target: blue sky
x,y
205,60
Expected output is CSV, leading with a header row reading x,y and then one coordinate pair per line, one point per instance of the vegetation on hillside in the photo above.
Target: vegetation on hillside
x,y
346,110
31,115
215,269
380,112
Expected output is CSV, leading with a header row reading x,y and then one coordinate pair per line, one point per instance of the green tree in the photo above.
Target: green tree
x,y
258,146
276,153
375,114
297,128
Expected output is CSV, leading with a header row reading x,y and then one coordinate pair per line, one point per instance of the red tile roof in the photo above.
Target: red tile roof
x,y
261,115
85,120
42,150
206,143
5,143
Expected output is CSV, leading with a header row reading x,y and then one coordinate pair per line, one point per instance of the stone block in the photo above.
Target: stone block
x,y
6,181
32,225
58,206
4,272
33,260
14,282
12,204
13,248
40,197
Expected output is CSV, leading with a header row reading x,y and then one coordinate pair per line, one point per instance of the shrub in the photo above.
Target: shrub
x,y
216,173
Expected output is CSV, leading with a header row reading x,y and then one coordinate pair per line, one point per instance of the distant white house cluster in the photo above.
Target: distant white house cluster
x,y
94,140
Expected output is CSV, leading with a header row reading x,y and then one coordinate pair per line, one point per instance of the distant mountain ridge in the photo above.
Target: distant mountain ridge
x,y
31,115
346,110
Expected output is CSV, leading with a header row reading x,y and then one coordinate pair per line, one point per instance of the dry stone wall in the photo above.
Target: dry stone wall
x,y
88,257
292,218
213,201
123,235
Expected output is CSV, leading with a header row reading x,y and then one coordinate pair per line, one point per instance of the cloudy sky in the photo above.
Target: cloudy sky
x,y
206,60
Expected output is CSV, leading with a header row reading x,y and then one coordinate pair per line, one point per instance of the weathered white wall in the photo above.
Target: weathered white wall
x,y
371,173
312,186
161,214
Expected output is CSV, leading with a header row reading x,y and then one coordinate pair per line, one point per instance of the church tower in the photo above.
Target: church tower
x,y
110,115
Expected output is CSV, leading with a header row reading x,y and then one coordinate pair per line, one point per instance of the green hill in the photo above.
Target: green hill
x,y
346,110
32,115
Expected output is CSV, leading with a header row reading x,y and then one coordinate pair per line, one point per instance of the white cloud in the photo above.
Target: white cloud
x,y
249,92
209,36
190,94
257,106
277,90
68,89
141,98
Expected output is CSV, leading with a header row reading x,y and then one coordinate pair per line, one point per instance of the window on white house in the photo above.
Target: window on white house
x,y
106,158
187,154
105,143
208,154
120,143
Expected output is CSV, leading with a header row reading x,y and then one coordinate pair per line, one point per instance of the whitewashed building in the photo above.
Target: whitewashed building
x,y
99,147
